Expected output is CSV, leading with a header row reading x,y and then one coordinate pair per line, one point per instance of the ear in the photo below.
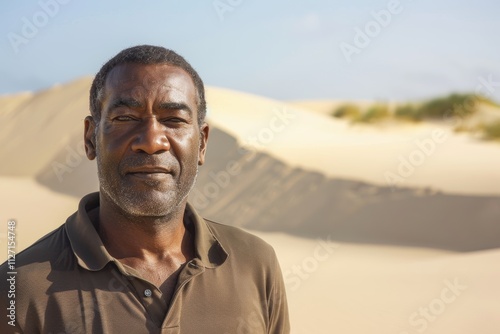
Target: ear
x,y
204,129
89,137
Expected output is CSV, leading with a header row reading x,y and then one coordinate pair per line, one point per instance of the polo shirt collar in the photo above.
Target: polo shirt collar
x,y
207,247
91,254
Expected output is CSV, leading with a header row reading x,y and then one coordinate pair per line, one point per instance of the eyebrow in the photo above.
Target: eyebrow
x,y
133,103
125,102
175,106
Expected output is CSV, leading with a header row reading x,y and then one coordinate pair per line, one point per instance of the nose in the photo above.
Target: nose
x,y
151,137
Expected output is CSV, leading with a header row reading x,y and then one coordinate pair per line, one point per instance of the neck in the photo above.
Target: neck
x,y
149,239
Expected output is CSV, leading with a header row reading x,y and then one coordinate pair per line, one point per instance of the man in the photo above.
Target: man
x,y
136,257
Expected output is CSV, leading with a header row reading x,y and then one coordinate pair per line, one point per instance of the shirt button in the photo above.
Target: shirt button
x,y
147,293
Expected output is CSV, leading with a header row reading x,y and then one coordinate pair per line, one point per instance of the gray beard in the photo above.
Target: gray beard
x,y
135,206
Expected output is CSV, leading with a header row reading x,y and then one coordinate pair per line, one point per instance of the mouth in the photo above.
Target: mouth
x,y
150,172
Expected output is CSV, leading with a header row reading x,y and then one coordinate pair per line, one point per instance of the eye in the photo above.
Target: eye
x,y
124,118
175,120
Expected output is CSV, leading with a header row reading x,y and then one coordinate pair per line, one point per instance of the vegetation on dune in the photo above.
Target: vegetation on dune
x,y
453,106
374,114
461,105
408,112
349,111
352,112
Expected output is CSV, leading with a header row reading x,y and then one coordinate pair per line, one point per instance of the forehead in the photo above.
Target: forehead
x,y
141,81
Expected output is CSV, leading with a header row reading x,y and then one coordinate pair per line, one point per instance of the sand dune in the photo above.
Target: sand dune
x,y
380,289
36,209
49,117
315,204
409,154
359,255
255,158
416,155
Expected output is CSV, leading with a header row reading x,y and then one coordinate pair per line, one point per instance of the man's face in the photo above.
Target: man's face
x,y
148,142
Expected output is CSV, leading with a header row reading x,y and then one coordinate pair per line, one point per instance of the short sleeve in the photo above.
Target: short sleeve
x,y
279,322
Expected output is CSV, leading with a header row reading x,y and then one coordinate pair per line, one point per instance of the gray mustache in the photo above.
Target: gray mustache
x,y
139,160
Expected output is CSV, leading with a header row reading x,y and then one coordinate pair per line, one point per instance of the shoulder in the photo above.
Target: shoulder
x,y
46,248
252,259
51,252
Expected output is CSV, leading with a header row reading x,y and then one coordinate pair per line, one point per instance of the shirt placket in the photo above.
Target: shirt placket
x,y
172,318
151,298
164,316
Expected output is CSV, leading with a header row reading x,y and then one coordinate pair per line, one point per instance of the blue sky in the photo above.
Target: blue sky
x,y
284,49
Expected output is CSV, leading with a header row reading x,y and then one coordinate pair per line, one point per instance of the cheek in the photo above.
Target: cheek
x,y
115,139
186,148
109,149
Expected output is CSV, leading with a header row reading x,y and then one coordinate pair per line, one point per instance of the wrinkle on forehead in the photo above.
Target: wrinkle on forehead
x,y
143,81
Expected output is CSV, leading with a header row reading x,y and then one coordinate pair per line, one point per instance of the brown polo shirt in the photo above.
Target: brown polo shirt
x,y
68,283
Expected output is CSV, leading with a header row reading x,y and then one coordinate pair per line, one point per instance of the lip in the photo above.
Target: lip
x,y
148,169
149,172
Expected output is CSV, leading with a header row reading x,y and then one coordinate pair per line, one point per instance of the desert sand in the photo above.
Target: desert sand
x,y
359,254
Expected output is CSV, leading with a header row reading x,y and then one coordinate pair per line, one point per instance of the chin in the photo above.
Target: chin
x,y
150,204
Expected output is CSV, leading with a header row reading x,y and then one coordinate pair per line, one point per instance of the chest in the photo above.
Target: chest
x,y
165,279
162,276
107,302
